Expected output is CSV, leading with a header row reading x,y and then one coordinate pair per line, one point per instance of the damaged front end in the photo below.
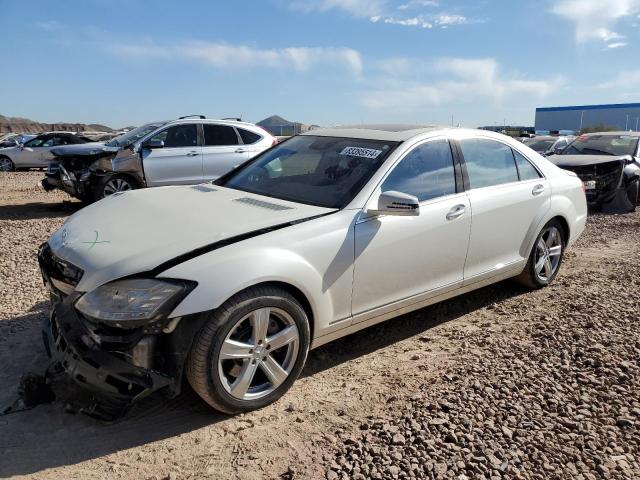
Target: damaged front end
x,y
81,172
610,184
119,361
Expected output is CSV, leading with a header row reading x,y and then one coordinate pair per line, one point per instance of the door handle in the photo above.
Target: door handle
x,y
193,154
537,190
240,150
456,212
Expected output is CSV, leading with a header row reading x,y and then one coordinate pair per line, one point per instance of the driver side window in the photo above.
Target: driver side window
x,y
36,142
52,142
426,172
178,136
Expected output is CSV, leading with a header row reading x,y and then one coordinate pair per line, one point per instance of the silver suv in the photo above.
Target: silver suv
x,y
190,150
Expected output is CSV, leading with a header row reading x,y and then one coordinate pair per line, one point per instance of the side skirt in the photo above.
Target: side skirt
x,y
411,305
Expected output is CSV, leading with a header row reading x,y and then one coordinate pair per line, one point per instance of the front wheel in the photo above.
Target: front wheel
x,y
113,184
6,165
250,351
546,256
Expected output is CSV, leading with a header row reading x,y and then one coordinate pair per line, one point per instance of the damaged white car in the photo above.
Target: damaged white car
x,y
229,285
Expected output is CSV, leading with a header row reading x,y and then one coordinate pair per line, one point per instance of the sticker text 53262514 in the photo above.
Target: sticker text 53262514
x,y
361,152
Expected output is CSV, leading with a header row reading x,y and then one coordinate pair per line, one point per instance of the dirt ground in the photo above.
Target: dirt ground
x,y
365,405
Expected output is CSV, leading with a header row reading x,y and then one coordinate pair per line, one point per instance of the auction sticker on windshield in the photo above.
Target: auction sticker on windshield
x,y
361,152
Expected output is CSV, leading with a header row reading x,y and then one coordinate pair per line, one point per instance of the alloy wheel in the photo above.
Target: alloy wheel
x,y
548,254
258,354
6,165
116,185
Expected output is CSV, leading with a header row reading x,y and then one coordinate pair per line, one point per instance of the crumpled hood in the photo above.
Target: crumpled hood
x,y
582,160
136,231
83,149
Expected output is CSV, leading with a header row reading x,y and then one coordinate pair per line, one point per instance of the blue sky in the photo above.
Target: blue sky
x,y
125,62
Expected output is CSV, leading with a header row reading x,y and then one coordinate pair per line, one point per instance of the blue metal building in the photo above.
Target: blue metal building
x,y
620,116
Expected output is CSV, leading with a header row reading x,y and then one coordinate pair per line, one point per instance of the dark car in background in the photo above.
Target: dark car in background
x,y
548,144
609,165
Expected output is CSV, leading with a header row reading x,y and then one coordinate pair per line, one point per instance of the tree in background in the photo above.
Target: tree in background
x,y
598,127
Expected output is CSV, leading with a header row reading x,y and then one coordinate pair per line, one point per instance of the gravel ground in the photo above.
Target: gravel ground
x,y
558,397
498,383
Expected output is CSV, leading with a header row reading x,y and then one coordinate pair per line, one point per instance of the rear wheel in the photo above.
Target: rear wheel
x,y
251,350
546,256
6,165
114,184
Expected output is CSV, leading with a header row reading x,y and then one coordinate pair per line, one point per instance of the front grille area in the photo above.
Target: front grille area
x,y
60,275
606,175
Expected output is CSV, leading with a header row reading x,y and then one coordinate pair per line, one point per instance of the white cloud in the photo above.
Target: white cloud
x,y
226,56
445,20
456,81
406,22
50,25
612,46
629,79
358,8
414,13
418,3
594,19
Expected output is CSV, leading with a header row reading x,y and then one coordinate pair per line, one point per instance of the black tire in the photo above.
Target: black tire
x,y
103,185
202,362
8,164
633,193
529,277
624,201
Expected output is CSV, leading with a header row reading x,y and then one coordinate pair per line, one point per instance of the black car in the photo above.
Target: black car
x,y
609,165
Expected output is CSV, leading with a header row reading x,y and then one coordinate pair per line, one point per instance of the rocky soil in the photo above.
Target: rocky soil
x,y
557,395
499,383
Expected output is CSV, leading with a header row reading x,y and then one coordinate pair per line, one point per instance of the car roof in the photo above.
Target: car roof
x,y
549,137
617,134
212,120
385,132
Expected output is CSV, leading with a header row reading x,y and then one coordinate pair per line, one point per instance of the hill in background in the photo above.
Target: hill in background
x,y
26,125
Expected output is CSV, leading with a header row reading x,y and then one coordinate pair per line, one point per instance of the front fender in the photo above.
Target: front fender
x,y
222,274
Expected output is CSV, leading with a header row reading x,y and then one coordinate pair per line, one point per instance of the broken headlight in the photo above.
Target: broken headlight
x,y
134,302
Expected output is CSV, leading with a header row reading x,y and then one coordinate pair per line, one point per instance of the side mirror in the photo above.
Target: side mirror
x,y
151,144
558,150
398,204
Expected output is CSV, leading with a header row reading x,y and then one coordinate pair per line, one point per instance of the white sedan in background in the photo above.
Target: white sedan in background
x,y
36,151
230,284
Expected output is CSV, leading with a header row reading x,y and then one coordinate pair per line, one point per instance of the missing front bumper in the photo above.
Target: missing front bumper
x,y
103,372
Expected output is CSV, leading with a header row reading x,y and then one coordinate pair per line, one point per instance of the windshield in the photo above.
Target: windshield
x,y
322,171
134,135
539,145
615,145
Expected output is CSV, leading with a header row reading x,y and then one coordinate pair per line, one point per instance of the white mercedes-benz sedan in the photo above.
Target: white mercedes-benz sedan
x,y
229,284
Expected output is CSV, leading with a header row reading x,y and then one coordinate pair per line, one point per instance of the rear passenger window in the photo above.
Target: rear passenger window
x,y
425,172
525,169
248,137
488,162
219,135
178,136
